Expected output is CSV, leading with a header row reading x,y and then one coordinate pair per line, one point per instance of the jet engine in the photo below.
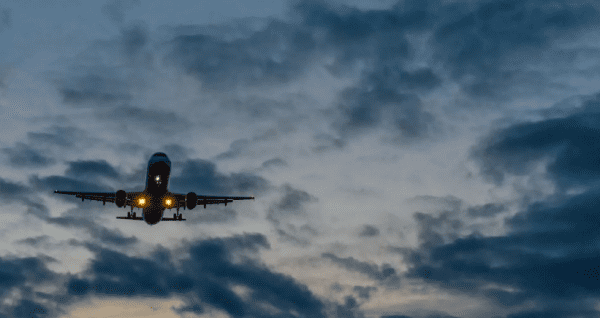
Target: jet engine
x,y
121,198
191,199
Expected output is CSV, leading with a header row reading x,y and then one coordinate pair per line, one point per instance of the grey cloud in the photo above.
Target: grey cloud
x,y
5,19
326,142
56,135
363,110
206,278
85,169
161,120
202,177
275,162
35,241
486,210
115,9
24,156
380,273
10,191
273,55
66,184
97,231
134,38
364,292
480,48
349,309
290,205
369,231
235,149
570,143
537,259
99,87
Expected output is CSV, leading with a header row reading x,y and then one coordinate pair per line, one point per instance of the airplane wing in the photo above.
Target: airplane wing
x,y
207,199
101,196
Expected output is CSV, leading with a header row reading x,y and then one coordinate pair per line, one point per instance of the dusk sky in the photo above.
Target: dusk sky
x,y
413,158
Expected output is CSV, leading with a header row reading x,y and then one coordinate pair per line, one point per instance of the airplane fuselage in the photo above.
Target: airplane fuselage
x,y
155,193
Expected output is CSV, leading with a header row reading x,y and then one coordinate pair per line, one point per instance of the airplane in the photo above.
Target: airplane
x,y
155,198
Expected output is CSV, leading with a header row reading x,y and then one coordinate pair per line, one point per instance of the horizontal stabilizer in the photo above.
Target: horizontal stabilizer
x,y
171,219
129,218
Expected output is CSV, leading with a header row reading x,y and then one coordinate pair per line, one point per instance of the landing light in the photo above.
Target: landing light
x,y
157,178
142,201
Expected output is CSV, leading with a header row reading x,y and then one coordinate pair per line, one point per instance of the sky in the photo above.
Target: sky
x,y
409,158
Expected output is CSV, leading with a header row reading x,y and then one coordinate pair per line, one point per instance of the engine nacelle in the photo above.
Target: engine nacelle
x,y
190,200
121,198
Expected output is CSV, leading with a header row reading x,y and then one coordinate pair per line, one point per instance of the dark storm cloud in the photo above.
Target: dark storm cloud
x,y
5,19
487,47
202,177
115,9
571,144
84,169
24,156
368,231
380,273
206,278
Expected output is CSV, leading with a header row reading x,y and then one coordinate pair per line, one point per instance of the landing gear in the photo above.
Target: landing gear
x,y
133,215
174,216
180,216
128,215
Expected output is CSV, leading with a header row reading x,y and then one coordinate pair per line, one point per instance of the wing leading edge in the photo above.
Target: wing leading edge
x,y
207,199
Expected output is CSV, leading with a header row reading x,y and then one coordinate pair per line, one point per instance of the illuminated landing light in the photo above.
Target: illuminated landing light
x,y
168,202
142,201
157,178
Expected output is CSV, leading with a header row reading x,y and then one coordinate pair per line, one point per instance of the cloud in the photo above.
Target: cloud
x,y
10,191
5,19
569,144
115,9
24,156
59,136
98,87
384,273
96,231
486,210
204,279
364,292
202,177
151,119
35,241
369,231
84,169
487,46
274,55
66,184
275,162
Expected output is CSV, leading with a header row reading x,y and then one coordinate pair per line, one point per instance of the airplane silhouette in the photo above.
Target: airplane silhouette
x,y
155,198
